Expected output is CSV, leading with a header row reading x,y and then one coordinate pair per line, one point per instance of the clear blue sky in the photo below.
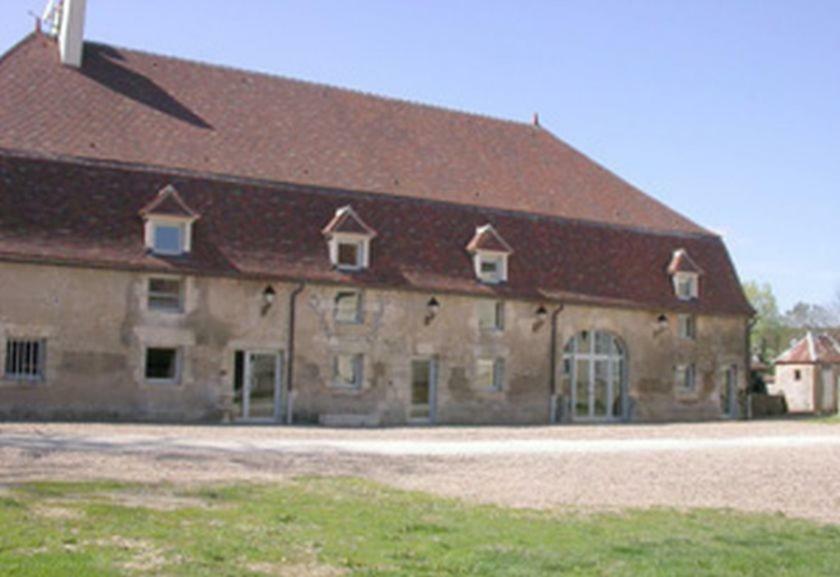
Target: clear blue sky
x,y
728,111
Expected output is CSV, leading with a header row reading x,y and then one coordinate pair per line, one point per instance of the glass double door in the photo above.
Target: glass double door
x,y
261,386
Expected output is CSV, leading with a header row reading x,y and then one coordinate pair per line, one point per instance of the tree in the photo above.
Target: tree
x,y
769,334
810,316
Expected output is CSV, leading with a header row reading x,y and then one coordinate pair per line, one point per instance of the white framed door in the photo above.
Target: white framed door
x,y
423,391
262,391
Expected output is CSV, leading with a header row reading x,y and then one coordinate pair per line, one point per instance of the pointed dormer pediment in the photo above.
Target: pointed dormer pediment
x,y
681,261
490,255
348,240
486,238
168,223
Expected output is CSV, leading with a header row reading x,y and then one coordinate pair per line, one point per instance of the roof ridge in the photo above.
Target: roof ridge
x,y
250,181
316,84
812,349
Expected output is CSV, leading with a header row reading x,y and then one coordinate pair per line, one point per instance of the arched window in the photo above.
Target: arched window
x,y
594,372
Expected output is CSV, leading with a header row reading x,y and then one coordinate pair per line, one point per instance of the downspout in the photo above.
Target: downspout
x,y
748,362
552,378
290,351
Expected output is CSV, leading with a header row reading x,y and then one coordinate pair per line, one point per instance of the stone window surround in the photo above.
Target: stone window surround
x,y
693,280
485,256
185,223
362,241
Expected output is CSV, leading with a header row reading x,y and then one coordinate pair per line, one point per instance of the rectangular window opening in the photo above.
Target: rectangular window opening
x,y
165,295
349,254
491,315
162,365
348,371
490,374
686,378
25,359
168,238
687,327
348,306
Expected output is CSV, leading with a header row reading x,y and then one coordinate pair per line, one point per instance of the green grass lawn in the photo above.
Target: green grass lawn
x,y
325,527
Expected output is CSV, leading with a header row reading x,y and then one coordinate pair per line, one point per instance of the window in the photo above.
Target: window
x,y
348,371
25,359
685,285
687,327
490,315
168,238
162,365
491,268
349,255
489,374
797,375
348,306
164,295
686,378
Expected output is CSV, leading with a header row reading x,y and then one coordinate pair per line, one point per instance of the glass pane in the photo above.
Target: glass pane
x,y
582,388
348,254
167,239
617,380
164,294
262,384
603,343
601,400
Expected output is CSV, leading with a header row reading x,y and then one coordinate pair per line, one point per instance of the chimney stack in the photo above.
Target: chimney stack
x,y
71,37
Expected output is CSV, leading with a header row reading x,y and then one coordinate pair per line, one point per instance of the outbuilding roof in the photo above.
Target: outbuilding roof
x,y
811,349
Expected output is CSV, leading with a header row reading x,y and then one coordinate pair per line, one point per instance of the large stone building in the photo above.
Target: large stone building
x,y
180,241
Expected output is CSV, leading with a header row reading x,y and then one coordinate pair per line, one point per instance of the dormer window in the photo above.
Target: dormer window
x,y
348,240
685,275
490,255
168,224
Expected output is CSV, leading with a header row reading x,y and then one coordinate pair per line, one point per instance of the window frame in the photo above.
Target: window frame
x,y
152,294
184,226
40,360
357,360
358,314
362,243
176,378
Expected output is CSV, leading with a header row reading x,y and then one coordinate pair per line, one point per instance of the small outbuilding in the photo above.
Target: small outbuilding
x,y
808,374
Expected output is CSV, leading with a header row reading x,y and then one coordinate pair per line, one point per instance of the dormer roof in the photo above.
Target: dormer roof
x,y
682,262
811,349
348,222
487,238
168,203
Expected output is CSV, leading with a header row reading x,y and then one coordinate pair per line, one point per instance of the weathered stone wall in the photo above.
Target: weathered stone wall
x,y
97,324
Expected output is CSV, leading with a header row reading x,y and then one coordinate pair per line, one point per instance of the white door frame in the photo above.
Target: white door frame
x,y
278,384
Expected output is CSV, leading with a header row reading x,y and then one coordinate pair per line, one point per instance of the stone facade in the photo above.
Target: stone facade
x,y
96,326
808,387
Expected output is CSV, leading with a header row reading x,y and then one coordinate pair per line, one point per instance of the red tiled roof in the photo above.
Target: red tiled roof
x,y
487,238
682,262
812,349
86,213
346,220
168,203
131,107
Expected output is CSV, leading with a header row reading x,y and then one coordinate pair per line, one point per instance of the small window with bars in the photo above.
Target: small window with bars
x,y
25,359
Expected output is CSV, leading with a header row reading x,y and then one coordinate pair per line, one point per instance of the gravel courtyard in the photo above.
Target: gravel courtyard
x,y
790,467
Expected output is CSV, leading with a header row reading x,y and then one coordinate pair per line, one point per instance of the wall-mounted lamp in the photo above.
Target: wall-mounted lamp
x,y
268,296
540,316
661,324
432,309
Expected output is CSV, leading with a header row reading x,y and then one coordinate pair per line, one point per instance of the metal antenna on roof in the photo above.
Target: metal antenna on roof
x,y
536,119
51,19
